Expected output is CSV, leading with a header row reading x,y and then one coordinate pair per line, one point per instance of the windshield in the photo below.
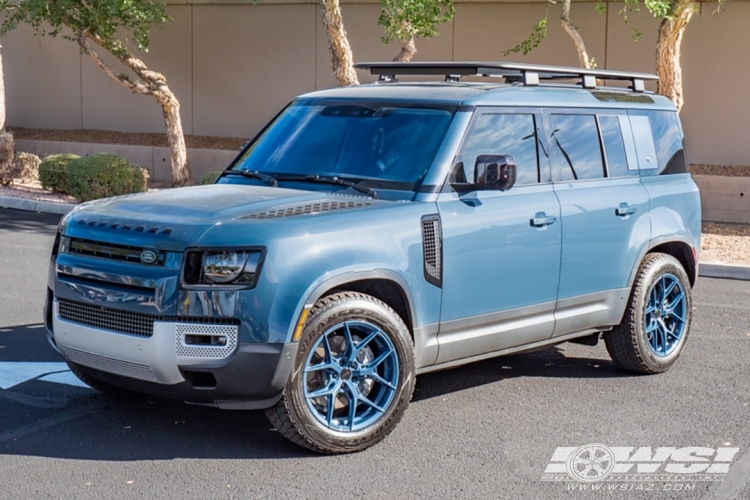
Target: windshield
x,y
389,146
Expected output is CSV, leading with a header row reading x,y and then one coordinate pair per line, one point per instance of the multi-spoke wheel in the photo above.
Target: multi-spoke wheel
x,y
657,319
665,314
353,376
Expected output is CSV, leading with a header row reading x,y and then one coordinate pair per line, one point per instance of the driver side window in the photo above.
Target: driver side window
x,y
502,134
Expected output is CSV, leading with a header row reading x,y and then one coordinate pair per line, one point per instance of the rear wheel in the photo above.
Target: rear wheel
x,y
353,376
657,320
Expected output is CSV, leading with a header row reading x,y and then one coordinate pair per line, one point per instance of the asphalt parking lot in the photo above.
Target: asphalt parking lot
x,y
487,430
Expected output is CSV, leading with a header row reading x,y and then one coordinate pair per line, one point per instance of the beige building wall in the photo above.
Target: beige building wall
x,y
233,65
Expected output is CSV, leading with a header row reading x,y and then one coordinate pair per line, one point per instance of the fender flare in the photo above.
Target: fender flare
x,y
317,289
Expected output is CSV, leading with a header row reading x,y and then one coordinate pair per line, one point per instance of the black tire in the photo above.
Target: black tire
x,y
292,416
99,386
628,343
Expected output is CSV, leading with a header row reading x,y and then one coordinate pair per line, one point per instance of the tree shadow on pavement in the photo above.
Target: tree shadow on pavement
x,y
20,220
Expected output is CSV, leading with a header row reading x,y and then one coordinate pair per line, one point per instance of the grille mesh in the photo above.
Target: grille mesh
x,y
205,352
107,318
431,240
312,208
111,365
118,320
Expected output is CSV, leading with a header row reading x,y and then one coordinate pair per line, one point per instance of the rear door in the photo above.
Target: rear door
x,y
501,250
605,214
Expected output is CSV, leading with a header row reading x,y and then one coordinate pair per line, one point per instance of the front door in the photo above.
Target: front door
x,y
501,250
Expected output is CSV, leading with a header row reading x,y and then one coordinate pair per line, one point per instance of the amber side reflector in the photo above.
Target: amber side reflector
x,y
300,324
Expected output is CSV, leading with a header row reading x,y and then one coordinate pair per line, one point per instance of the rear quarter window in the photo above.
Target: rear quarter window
x,y
667,136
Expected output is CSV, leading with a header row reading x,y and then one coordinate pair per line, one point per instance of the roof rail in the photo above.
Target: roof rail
x,y
527,74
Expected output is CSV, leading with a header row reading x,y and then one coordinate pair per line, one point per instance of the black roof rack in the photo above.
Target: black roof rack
x,y
527,74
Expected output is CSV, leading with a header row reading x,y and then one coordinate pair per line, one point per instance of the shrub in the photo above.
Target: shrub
x,y
27,166
24,167
102,175
52,172
7,165
210,178
141,177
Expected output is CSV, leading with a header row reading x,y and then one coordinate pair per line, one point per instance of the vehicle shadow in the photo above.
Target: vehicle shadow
x,y
551,362
43,418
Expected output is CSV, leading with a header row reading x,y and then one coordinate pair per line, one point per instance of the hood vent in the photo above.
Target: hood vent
x,y
309,209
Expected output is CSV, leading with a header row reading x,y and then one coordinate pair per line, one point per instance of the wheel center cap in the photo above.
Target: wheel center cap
x,y
346,374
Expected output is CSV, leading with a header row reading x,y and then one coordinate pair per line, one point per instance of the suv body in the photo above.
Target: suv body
x,y
445,264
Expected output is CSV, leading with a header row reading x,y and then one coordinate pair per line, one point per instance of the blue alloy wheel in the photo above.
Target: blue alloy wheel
x,y
350,376
665,315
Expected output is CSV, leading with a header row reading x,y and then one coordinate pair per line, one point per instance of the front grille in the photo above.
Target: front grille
x,y
312,208
122,253
121,321
111,365
107,318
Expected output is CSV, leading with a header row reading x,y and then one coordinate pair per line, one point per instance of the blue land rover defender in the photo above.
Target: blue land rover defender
x,y
373,233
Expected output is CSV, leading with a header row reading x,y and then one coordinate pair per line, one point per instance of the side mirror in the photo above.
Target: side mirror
x,y
495,172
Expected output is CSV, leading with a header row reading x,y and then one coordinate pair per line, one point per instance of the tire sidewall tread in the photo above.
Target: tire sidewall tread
x,y
292,417
627,343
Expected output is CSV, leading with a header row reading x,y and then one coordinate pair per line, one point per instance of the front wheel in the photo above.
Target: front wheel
x,y
353,376
657,319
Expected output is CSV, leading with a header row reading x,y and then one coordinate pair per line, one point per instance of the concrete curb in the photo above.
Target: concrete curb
x,y
48,207
724,271
45,207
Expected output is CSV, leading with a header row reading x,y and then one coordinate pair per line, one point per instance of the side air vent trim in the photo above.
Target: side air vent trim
x,y
432,248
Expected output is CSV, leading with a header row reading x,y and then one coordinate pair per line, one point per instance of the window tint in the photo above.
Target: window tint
x,y
503,134
614,147
576,152
367,141
667,142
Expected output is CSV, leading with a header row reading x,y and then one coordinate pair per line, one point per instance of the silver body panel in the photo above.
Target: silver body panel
x,y
153,359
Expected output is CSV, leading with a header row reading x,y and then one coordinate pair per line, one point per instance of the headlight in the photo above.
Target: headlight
x,y
222,267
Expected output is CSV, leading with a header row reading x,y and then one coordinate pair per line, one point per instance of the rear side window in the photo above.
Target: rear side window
x,y
504,134
667,137
614,147
576,153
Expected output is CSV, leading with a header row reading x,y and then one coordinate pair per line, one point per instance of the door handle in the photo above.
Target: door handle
x,y
542,220
624,210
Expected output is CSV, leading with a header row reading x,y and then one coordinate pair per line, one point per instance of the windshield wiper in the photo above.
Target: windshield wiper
x,y
341,182
268,179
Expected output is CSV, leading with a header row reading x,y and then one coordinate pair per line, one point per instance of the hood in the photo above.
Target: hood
x,y
174,218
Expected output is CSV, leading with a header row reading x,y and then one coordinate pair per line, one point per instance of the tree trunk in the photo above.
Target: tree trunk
x,y
408,50
2,92
7,143
583,57
176,139
155,85
668,47
341,51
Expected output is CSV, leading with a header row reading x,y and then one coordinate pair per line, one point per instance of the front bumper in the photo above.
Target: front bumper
x,y
232,376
